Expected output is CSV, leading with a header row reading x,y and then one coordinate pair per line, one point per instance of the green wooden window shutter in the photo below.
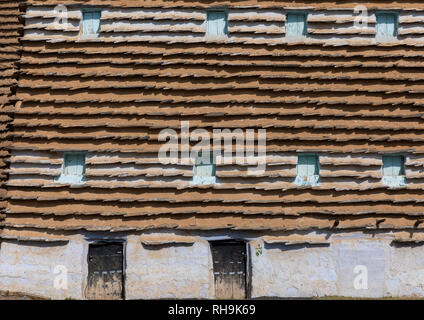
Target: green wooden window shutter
x,y
205,169
386,25
91,22
73,168
394,171
307,165
74,164
393,166
296,24
307,170
216,23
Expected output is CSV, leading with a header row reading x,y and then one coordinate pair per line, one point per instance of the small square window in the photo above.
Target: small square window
x,y
296,24
394,170
73,168
216,23
204,169
307,170
91,22
386,25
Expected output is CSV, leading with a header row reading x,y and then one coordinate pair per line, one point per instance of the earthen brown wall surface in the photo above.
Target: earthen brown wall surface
x,y
350,103
11,29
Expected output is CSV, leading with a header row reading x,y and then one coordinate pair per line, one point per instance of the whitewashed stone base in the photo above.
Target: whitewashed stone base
x,y
185,270
29,268
339,269
168,271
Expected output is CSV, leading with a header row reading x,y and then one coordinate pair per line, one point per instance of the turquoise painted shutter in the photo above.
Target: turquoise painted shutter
x,y
387,166
386,25
307,165
301,24
86,23
91,22
391,22
205,168
74,164
296,24
216,24
302,166
307,170
312,165
393,166
95,21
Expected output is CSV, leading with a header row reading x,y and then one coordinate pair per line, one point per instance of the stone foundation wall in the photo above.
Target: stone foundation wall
x,y
168,271
379,268
32,267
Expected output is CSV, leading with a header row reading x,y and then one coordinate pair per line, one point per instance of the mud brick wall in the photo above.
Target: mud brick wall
x,y
337,93
11,30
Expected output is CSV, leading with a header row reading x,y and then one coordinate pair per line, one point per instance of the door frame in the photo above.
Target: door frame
x,y
124,260
248,275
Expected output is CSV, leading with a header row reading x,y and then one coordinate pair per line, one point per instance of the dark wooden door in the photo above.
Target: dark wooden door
x,y
230,269
105,271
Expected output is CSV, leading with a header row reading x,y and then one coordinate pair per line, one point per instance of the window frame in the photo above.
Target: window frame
x,y
391,180
402,169
90,10
308,180
212,36
205,180
72,179
305,13
389,38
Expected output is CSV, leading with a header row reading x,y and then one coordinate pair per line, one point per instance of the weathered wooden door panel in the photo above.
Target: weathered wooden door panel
x,y
105,271
229,264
